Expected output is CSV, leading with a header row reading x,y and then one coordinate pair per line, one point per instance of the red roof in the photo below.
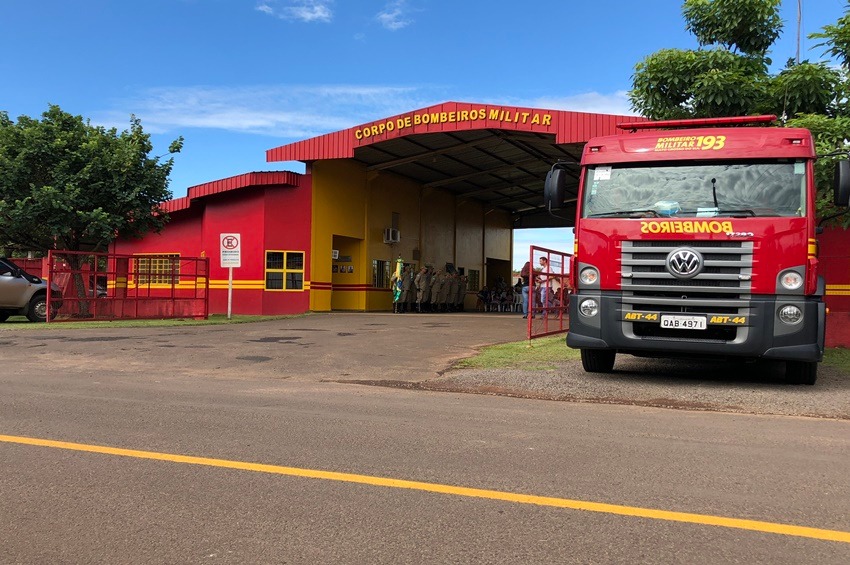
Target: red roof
x,y
286,178
567,127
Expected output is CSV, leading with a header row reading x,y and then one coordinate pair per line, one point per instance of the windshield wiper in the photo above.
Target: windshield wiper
x,y
633,213
744,212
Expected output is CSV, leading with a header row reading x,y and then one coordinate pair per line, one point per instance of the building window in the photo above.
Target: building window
x,y
380,274
474,280
158,269
284,270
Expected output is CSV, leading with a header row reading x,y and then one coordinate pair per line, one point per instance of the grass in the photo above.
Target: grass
x,y
838,358
538,354
21,323
544,353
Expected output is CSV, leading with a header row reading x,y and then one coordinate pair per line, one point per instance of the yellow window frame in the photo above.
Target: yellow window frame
x,y
284,271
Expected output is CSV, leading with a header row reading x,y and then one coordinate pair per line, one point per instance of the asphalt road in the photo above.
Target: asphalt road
x,y
62,505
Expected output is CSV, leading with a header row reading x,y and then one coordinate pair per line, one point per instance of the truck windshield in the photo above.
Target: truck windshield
x,y
704,189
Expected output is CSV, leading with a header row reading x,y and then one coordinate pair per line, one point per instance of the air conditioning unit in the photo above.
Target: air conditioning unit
x,y
391,235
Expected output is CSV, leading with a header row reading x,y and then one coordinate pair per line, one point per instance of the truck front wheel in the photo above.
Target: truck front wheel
x,y
801,372
598,360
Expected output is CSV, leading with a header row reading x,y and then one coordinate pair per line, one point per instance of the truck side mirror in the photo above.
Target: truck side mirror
x,y
554,189
841,186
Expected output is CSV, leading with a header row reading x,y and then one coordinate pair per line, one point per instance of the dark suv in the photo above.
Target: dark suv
x,y
23,294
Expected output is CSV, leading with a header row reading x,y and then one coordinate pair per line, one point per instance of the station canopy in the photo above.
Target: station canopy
x,y
498,155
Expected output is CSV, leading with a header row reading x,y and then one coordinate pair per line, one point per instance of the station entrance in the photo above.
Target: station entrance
x,y
441,187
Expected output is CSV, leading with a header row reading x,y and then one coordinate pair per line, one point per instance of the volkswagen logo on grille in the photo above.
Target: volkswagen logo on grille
x,y
684,263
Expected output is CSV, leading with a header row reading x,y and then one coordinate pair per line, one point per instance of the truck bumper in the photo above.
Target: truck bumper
x,y
761,336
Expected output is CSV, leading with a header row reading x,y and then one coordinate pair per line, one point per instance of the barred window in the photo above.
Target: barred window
x,y
284,270
380,274
474,282
158,269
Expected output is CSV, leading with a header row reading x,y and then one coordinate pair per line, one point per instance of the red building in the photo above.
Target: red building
x,y
271,211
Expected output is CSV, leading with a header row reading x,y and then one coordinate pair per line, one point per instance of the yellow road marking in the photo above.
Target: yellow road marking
x,y
654,514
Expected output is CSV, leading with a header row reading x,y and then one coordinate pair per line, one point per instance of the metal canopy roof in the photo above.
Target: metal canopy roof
x,y
498,155
502,169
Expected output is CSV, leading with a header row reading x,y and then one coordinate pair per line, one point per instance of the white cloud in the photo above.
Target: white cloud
x,y
594,102
299,10
395,15
266,9
302,111
287,111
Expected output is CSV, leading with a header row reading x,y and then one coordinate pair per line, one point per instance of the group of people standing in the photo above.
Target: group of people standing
x,y
428,290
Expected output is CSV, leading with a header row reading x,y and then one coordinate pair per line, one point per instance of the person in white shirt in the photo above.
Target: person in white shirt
x,y
545,283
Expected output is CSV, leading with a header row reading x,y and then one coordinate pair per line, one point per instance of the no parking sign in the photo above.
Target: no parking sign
x,y
231,257
231,250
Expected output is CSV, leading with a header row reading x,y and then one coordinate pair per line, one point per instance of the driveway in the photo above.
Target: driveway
x,y
352,346
411,351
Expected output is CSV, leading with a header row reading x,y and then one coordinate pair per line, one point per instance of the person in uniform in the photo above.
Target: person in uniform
x,y
419,283
436,288
406,288
426,289
461,293
450,290
411,293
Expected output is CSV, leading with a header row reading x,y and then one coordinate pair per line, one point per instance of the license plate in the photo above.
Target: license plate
x,y
684,322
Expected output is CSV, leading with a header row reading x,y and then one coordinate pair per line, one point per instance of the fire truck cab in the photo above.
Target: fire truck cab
x,y
698,241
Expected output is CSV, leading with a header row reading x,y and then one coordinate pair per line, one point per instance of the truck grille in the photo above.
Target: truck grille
x,y
722,287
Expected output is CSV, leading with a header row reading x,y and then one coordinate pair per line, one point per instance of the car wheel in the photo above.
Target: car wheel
x,y
598,360
37,311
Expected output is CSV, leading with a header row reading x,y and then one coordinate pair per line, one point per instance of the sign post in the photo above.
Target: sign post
x,y
231,257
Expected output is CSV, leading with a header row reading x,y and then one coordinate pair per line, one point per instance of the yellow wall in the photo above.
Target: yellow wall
x,y
339,208
438,221
390,193
497,237
354,203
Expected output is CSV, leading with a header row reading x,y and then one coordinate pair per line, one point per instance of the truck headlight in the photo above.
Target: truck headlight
x,y
588,275
588,307
791,280
790,314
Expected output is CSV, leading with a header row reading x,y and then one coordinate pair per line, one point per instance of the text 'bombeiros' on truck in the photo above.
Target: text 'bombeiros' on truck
x,y
696,238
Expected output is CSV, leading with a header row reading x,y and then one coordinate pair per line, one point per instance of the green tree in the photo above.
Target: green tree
x,y
748,26
727,76
66,184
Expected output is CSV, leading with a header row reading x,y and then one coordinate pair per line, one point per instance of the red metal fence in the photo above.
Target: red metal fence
x,y
549,292
106,286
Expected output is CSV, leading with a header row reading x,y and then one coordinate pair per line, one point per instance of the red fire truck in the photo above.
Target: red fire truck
x,y
696,238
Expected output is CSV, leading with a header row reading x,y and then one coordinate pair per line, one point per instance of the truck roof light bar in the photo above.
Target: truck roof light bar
x,y
698,122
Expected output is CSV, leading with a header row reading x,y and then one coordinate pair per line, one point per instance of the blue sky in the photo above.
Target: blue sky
x,y
238,77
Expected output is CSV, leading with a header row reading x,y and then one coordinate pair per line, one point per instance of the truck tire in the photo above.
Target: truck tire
x,y
801,372
4,316
598,360
37,311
